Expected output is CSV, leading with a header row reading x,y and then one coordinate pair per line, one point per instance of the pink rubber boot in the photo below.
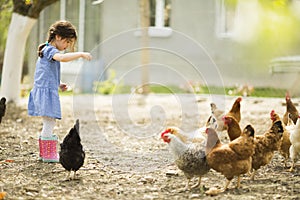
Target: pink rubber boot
x,y
48,149
41,148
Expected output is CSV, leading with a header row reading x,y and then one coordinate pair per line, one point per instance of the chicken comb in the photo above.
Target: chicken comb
x,y
239,99
165,132
224,117
209,130
272,113
287,95
206,130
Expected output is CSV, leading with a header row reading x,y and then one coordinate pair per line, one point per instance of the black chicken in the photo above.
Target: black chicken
x,y
2,108
71,155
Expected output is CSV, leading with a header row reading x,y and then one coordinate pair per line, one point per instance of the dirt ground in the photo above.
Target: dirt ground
x,y
126,159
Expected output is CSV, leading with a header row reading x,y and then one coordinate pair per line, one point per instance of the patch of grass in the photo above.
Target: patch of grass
x,y
254,92
163,89
268,92
159,89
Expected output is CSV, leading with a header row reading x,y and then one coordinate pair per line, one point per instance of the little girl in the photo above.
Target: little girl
x,y
44,99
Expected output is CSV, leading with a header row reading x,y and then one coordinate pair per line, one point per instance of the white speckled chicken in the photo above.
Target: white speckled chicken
x,y
189,154
295,144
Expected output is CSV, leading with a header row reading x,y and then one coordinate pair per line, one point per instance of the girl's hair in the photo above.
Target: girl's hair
x,y
64,29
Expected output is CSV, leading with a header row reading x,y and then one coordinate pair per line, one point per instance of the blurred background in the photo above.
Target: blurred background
x,y
237,47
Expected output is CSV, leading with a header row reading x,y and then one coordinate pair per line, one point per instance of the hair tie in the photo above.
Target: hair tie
x,y
47,43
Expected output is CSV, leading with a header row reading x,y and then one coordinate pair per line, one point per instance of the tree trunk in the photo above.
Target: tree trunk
x,y
18,32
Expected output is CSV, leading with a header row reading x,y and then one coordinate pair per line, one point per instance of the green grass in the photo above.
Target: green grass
x,y
158,89
268,92
163,89
256,92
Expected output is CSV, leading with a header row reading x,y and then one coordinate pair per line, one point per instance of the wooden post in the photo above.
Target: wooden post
x,y
145,22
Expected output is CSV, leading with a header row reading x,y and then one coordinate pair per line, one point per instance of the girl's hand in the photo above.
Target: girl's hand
x,y
86,55
63,87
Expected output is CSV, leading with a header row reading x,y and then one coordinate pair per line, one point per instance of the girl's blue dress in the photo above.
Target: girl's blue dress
x,y
44,99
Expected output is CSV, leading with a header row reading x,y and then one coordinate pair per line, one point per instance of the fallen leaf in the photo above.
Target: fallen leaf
x,y
213,191
2,195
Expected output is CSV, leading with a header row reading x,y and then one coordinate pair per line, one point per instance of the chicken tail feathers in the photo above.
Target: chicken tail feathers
x,y
250,129
2,108
76,126
73,136
278,124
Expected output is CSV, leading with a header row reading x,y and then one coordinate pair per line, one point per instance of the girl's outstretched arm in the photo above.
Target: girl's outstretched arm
x,y
66,57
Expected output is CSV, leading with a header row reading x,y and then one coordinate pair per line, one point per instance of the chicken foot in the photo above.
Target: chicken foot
x,y
292,167
187,187
215,191
198,183
68,175
226,185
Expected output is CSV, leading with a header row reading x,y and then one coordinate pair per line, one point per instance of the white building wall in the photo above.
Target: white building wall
x,y
192,52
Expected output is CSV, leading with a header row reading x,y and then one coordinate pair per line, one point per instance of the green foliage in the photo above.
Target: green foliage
x,y
244,91
278,30
165,89
110,86
231,3
6,8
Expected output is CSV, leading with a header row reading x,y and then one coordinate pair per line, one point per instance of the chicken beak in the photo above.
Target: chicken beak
x,y
166,139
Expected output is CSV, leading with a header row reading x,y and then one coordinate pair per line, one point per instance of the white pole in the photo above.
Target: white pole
x,y
81,25
41,25
62,9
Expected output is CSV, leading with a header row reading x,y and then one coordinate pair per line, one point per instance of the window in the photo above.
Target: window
x,y
159,19
160,11
225,18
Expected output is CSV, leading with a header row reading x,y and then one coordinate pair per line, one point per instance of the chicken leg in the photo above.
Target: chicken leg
x,y
74,175
187,184
252,175
68,175
293,156
226,185
238,185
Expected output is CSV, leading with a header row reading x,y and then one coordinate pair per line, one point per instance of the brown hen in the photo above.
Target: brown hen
x,y
266,145
235,112
284,148
233,159
291,110
233,127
